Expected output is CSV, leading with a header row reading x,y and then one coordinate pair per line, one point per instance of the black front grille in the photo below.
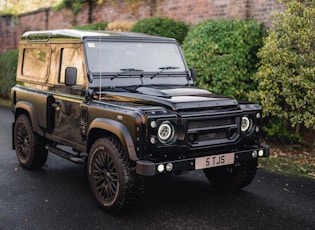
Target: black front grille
x,y
220,134
197,124
207,131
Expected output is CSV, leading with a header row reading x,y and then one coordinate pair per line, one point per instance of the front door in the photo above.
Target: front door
x,y
69,99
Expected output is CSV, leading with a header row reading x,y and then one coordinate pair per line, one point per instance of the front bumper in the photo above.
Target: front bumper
x,y
148,168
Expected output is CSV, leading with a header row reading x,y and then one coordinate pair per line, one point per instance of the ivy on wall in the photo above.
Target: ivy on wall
x,y
76,5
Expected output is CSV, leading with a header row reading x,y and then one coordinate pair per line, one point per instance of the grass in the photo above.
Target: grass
x,y
290,161
5,102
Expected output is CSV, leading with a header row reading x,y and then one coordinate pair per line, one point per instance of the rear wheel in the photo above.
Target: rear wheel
x,y
30,147
232,177
112,177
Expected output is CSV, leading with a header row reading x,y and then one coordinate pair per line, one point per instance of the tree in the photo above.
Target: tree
x,y
286,75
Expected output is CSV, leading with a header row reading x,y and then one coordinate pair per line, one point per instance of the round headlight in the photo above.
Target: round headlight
x,y
246,124
165,131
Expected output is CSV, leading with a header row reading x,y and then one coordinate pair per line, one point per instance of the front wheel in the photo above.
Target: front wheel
x,y
112,177
30,147
232,177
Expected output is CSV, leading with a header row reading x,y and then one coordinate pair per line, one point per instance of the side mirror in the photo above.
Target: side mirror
x,y
71,76
193,73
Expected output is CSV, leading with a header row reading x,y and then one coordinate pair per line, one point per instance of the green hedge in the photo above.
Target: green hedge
x,y
8,65
93,26
224,55
161,26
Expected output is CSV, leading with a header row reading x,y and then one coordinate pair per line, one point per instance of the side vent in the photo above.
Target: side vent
x,y
50,114
83,121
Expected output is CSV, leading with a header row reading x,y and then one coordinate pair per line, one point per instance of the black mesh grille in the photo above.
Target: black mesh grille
x,y
221,134
212,130
197,124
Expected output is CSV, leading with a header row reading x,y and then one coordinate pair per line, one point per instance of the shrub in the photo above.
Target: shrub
x,y
286,74
93,26
8,65
224,55
162,26
74,5
119,26
278,130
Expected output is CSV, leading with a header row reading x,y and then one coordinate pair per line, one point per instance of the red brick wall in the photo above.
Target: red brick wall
x,y
188,11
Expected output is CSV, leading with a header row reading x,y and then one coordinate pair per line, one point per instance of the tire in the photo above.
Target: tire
x,y
30,147
232,177
112,177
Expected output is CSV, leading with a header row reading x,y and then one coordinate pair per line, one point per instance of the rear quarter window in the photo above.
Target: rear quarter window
x,y
36,63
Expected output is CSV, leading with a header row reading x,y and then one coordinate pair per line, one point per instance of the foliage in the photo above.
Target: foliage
x,y
224,55
278,130
74,5
8,65
16,7
93,26
286,76
162,26
119,26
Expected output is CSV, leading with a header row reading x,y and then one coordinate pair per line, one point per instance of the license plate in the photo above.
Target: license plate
x,y
214,161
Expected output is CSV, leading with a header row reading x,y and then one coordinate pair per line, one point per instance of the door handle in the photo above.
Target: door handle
x,y
56,105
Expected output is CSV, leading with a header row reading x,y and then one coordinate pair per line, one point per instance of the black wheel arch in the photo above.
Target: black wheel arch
x,y
103,127
24,107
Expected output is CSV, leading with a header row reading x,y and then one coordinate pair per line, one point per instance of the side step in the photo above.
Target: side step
x,y
66,155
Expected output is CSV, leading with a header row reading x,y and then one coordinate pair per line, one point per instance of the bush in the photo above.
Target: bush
x,y
286,74
93,26
119,26
8,65
162,26
278,130
224,55
74,5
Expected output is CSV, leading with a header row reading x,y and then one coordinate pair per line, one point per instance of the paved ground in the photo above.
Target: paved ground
x,y
56,197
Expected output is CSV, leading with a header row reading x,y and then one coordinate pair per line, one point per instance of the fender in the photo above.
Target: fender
x,y
119,130
28,107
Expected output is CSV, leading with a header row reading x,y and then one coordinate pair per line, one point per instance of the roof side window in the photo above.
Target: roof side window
x,y
36,62
71,57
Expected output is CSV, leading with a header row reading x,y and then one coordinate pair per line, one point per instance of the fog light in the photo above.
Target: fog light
x,y
261,153
169,167
160,168
153,140
153,124
254,154
257,129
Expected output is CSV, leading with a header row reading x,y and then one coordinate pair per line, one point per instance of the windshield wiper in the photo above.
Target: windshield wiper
x,y
128,70
162,69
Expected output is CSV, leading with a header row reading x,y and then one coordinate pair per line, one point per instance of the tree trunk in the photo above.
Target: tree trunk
x,y
90,18
297,129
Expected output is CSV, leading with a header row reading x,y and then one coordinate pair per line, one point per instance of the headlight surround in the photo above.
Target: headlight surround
x,y
246,124
166,132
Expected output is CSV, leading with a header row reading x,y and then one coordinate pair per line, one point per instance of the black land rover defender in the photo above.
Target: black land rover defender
x,y
125,106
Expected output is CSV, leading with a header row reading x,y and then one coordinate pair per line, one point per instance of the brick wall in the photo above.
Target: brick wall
x,y
188,11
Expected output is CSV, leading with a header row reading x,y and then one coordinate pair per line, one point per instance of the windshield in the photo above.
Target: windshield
x,y
134,56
